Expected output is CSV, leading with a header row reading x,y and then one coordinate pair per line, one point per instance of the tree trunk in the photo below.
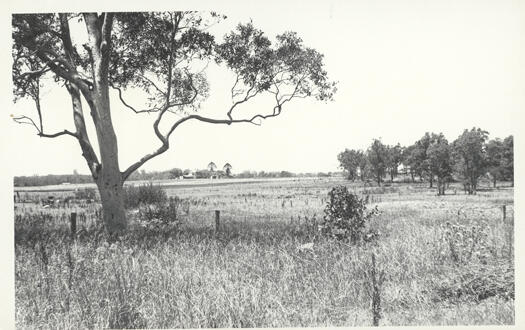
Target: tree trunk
x,y
109,179
110,187
441,187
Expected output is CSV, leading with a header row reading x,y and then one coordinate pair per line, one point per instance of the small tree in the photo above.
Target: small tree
x,y
175,173
377,155
420,159
395,156
495,164
212,167
470,157
350,161
507,161
345,215
440,160
364,167
410,161
227,168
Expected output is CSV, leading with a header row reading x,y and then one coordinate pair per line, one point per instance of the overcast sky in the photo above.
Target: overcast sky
x,y
403,68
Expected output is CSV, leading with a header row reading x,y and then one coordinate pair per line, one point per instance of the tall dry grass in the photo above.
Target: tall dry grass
x,y
252,273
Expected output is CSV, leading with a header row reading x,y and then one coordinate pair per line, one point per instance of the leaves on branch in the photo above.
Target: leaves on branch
x,y
165,54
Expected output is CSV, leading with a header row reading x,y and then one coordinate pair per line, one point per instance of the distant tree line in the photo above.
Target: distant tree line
x,y
51,179
433,159
175,173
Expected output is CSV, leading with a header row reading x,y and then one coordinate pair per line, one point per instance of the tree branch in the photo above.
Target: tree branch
x,y
29,121
165,139
277,109
129,106
33,73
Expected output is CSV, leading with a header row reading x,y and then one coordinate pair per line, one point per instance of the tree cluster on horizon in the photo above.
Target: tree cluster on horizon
x,y
432,158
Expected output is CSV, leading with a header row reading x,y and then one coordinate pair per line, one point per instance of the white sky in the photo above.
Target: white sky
x,y
403,68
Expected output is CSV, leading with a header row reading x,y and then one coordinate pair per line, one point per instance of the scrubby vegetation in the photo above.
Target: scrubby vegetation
x,y
438,261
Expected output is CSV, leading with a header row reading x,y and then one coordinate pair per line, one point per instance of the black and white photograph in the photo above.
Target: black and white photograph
x,y
293,164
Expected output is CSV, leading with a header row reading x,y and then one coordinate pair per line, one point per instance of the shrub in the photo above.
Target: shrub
x,y
86,193
346,215
147,194
160,214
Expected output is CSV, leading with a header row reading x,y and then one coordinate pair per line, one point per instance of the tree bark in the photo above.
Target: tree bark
x,y
110,187
109,180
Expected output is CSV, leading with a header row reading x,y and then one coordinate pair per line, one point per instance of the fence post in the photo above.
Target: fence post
x,y
73,223
217,220
504,209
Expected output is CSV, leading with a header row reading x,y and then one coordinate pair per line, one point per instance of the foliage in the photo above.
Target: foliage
x,y
346,215
160,214
507,161
395,155
500,159
377,155
147,194
259,67
420,158
86,193
175,173
432,157
440,160
164,55
470,157
227,168
285,174
409,160
203,174
351,161
212,167
51,179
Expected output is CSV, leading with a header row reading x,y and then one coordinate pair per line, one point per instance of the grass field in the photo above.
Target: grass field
x,y
446,260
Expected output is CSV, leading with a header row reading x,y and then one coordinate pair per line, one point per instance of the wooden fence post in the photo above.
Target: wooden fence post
x,y
73,223
217,220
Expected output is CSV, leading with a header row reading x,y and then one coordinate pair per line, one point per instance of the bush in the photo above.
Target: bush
x,y
147,194
346,216
86,193
160,214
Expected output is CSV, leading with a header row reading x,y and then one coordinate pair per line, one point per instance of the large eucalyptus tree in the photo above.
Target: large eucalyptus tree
x,y
161,54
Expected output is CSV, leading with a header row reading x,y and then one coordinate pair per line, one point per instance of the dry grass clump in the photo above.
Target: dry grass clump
x,y
475,282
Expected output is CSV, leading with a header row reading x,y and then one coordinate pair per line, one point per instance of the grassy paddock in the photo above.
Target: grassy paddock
x,y
447,260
